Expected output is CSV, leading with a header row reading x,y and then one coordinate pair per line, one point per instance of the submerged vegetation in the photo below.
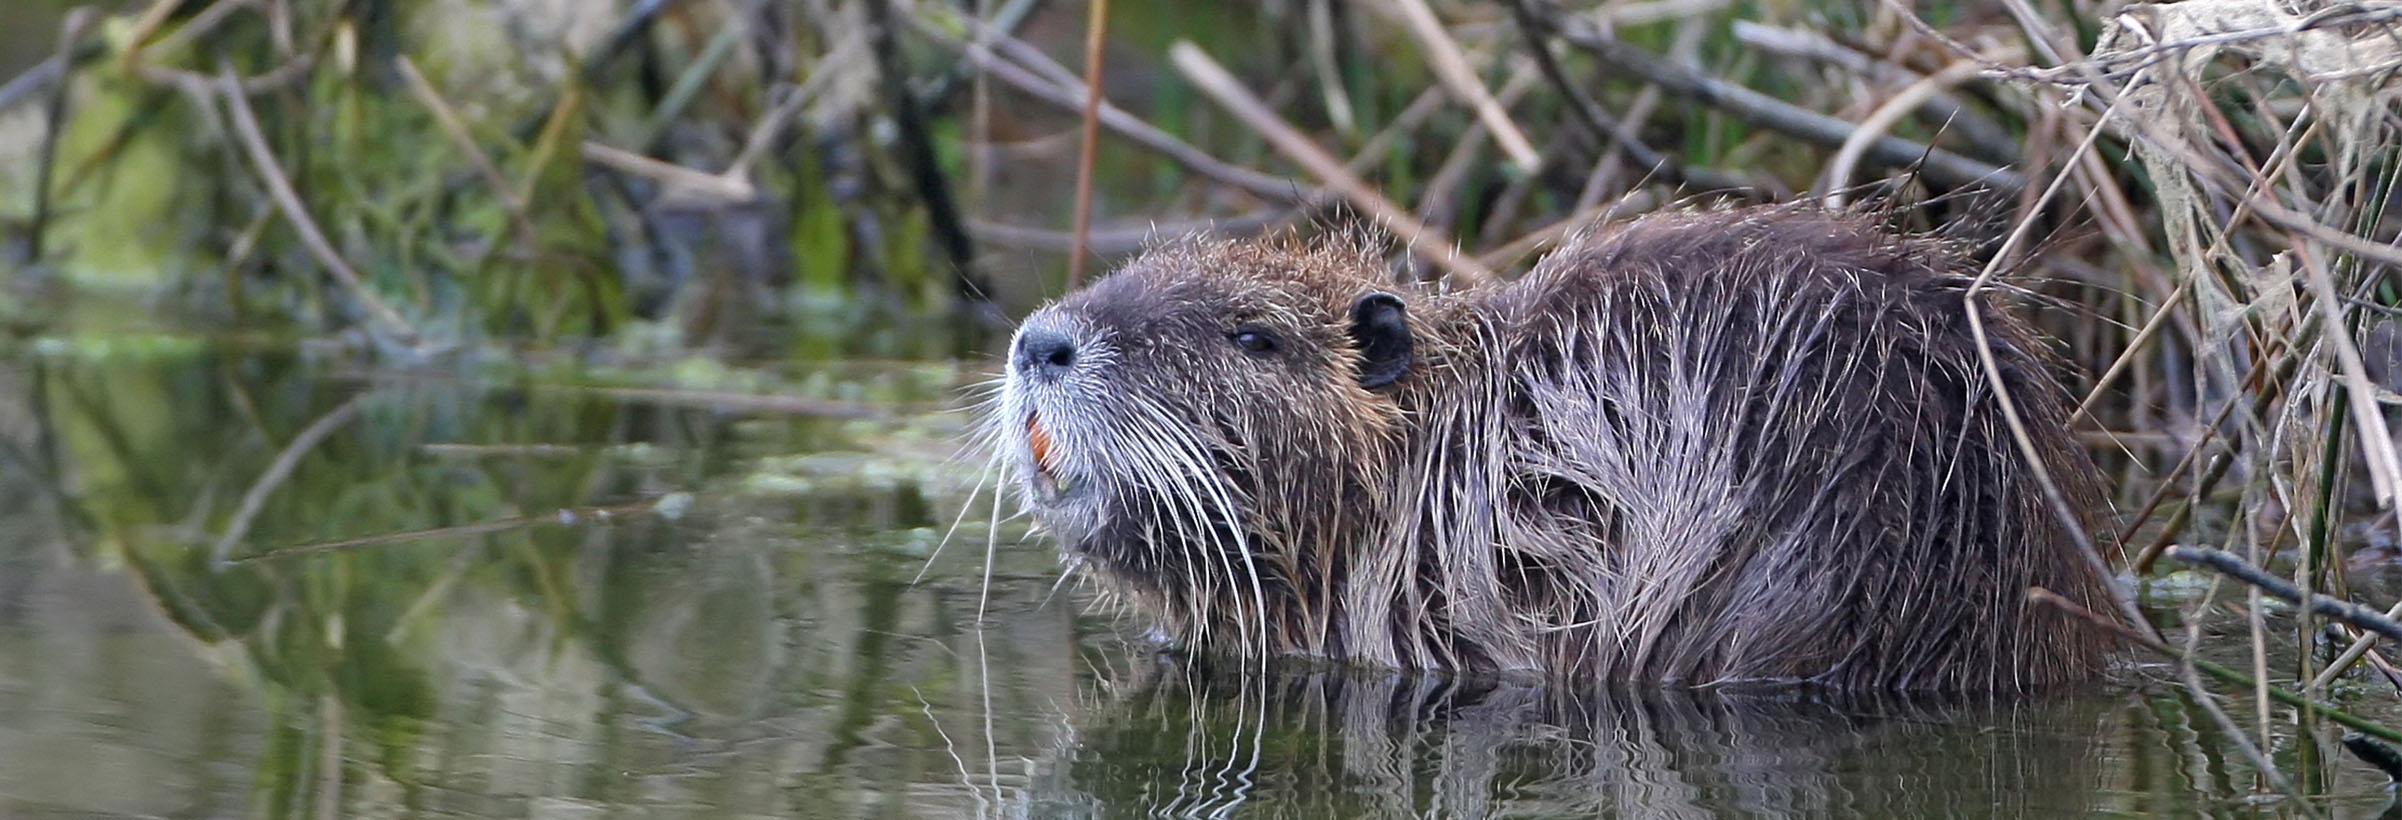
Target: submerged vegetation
x,y
2196,199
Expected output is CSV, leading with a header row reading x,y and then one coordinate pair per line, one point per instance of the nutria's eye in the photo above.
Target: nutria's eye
x,y
1253,340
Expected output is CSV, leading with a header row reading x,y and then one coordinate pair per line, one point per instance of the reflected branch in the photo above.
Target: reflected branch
x,y
670,505
279,470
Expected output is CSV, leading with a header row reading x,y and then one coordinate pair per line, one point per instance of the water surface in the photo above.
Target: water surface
x,y
728,620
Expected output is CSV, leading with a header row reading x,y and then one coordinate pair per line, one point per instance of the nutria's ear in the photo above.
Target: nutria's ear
x,y
1382,331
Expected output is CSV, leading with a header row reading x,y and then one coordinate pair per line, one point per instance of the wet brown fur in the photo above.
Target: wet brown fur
x,y
1696,447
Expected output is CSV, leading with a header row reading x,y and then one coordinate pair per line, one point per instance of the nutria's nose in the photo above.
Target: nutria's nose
x,y
1045,353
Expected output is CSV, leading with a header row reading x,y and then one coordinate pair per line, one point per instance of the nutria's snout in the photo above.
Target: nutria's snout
x,y
1052,365
1045,354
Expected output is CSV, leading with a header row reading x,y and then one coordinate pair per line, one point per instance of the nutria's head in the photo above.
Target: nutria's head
x,y
1193,426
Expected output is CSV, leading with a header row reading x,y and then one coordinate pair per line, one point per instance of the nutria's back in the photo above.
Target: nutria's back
x,y
1702,447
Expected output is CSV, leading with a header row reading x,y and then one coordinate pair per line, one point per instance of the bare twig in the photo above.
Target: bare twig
x,y
195,27
1645,12
271,174
1607,131
1438,198
2267,394
2227,564
1005,22
145,27
1096,27
1943,167
53,130
1131,238
2362,646
1942,108
33,81
456,130
2376,441
621,40
771,125
2066,516
297,64
1067,94
2126,359
1323,62
676,178
1118,241
695,77
2375,753
1452,69
2124,64
1880,121
1213,80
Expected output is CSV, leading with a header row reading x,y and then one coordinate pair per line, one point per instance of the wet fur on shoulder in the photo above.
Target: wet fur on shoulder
x,y
1696,447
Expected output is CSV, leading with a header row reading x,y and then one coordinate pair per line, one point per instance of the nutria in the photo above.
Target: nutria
x,y
1697,447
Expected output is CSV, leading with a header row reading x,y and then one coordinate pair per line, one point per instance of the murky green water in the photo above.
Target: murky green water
x,y
744,633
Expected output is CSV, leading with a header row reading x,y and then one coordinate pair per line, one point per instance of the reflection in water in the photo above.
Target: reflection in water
x,y
767,651
1345,744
